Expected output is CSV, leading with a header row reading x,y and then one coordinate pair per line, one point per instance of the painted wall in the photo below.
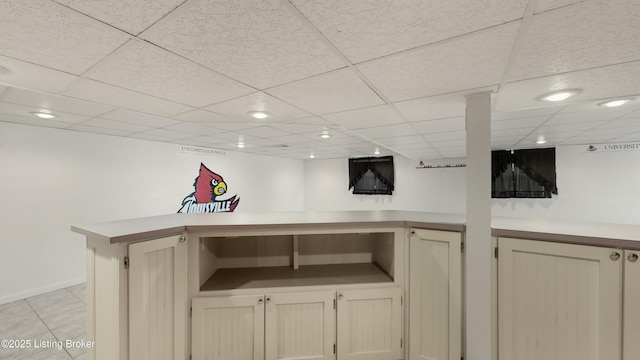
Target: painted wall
x,y
593,186
433,190
52,179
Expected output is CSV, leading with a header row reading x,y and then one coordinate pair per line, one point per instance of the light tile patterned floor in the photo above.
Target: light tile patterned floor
x,y
46,321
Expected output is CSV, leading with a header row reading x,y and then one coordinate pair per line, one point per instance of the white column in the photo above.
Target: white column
x,y
478,250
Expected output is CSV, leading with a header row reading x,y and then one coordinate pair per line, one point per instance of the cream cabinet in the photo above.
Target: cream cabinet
x,y
631,310
435,313
561,301
158,299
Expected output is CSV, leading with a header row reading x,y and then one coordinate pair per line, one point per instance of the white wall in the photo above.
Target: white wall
x,y
434,190
592,186
53,178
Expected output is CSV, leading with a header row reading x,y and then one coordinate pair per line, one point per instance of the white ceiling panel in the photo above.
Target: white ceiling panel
x,y
597,84
240,107
99,130
328,93
531,122
312,120
114,125
440,125
467,62
258,42
629,137
139,118
546,5
387,131
191,128
23,74
167,134
368,30
451,135
367,117
401,140
434,107
628,124
55,102
300,129
148,69
265,131
132,16
127,99
27,120
49,34
583,36
525,113
24,110
199,115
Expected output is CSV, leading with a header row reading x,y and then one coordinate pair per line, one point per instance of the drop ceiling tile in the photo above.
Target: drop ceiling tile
x,y
299,129
258,42
127,99
191,128
531,122
240,107
22,74
601,114
130,16
99,130
413,147
546,5
597,84
469,62
55,102
511,132
434,107
367,117
401,140
139,118
49,34
524,113
593,34
623,123
229,126
630,137
203,116
264,131
440,125
27,120
23,110
332,92
312,120
167,134
114,125
151,70
387,131
233,137
451,135
577,126
367,30
291,140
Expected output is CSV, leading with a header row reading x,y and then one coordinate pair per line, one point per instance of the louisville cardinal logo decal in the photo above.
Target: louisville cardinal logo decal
x,y
208,186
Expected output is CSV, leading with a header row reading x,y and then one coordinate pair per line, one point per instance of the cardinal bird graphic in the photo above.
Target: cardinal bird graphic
x,y
208,186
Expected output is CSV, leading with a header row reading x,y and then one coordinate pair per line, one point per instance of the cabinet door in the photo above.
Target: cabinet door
x,y
558,301
370,324
300,325
158,299
225,328
631,313
435,306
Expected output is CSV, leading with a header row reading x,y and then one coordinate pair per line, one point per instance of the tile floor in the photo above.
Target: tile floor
x,y
47,320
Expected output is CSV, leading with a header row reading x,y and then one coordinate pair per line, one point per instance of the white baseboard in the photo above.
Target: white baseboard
x,y
42,290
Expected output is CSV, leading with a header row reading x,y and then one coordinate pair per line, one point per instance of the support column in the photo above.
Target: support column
x,y
478,250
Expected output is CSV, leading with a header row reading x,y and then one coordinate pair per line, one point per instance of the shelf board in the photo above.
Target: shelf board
x,y
279,276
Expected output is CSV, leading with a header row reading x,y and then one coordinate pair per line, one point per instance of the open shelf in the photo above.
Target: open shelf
x,y
264,277
244,262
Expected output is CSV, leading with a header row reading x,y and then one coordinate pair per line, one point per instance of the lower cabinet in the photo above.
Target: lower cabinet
x,y
565,301
299,325
158,299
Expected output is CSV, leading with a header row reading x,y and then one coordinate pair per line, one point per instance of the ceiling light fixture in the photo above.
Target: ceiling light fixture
x,y
614,103
559,95
43,115
259,114
312,156
325,135
376,152
240,144
541,140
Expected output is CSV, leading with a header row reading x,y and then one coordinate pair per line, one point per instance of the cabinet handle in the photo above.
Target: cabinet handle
x,y
633,257
615,256
260,301
268,300
340,296
183,238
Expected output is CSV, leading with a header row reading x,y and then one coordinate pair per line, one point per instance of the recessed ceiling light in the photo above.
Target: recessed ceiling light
x,y
614,103
43,115
312,156
559,95
241,144
541,141
376,152
259,114
325,135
